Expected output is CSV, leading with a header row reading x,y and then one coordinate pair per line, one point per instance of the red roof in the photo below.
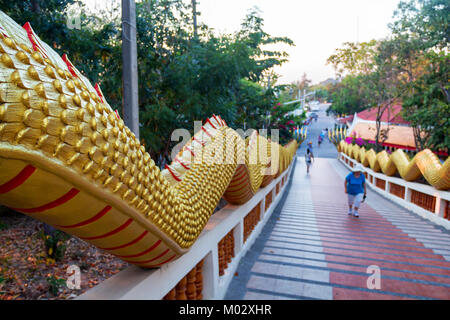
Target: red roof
x,y
346,119
391,114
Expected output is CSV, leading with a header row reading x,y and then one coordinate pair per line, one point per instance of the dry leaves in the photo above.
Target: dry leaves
x,y
25,269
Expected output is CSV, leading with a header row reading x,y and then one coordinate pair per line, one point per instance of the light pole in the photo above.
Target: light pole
x,y
130,70
194,13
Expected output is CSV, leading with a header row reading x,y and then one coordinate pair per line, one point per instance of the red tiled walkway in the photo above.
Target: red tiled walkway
x,y
351,245
311,249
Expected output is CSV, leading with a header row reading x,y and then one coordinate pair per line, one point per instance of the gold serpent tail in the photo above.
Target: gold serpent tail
x,y
425,164
68,160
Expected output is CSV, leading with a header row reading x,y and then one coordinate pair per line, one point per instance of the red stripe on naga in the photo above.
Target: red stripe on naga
x,y
127,244
122,227
153,247
182,164
104,211
164,262
173,175
210,123
237,182
58,202
151,260
205,131
202,143
238,197
69,65
17,180
241,186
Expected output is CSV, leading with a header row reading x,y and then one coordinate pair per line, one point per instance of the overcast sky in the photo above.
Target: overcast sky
x,y
317,27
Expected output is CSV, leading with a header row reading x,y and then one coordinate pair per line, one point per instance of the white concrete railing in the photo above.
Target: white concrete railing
x,y
425,200
139,284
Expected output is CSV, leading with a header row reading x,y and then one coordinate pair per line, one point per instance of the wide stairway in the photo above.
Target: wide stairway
x,y
311,248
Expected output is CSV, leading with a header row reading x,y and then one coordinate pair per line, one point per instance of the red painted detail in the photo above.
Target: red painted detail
x,y
117,114
192,152
160,264
182,164
3,31
60,201
398,146
151,260
127,244
205,131
122,227
238,181
36,46
153,247
99,92
17,180
104,211
172,174
237,190
241,196
69,65
238,197
240,171
208,121
224,122
202,143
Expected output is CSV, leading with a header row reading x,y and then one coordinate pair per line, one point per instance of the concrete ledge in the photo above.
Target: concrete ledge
x,y
139,284
441,197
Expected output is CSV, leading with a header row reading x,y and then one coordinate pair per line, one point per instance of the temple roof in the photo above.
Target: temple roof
x,y
392,114
398,136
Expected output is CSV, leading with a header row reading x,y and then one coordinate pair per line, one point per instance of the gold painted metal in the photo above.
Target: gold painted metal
x,y
92,178
425,164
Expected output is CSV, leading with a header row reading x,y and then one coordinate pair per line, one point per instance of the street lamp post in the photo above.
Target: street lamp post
x,y
130,70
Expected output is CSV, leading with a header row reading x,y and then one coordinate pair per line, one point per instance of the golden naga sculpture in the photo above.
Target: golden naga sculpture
x,y
67,159
425,164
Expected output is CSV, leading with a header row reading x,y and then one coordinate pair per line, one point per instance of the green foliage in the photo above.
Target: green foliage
x,y
427,104
411,66
55,284
421,31
55,246
354,58
182,78
3,226
351,95
424,19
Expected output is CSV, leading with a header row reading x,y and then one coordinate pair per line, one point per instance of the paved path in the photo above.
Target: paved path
x,y
327,149
311,249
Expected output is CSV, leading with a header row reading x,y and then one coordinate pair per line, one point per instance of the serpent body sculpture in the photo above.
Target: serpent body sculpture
x,y
67,159
425,164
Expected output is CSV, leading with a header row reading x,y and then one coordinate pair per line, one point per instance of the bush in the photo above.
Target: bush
x,y
55,284
55,246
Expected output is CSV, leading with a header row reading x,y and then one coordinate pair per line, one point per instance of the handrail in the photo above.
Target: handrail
x,y
425,200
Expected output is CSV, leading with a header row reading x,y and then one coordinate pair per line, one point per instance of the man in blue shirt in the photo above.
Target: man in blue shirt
x,y
355,188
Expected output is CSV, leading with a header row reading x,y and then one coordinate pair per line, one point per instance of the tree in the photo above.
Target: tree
x,y
182,78
427,106
427,20
354,58
423,27
351,95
